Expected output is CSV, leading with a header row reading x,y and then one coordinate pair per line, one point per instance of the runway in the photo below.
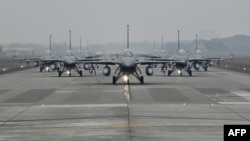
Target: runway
x,y
42,106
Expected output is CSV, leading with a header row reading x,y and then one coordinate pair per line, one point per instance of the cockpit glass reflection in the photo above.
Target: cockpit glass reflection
x,y
69,53
181,52
198,52
48,52
128,53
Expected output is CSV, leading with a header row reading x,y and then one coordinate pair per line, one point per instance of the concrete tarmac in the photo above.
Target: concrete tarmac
x,y
38,106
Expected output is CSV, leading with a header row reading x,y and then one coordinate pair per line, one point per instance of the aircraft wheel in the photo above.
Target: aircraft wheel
x,y
126,82
169,72
59,73
181,73
142,80
114,79
41,69
205,68
80,72
69,74
190,72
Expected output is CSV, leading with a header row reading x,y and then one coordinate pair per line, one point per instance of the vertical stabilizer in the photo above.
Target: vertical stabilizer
x,y
50,42
80,43
178,40
154,45
161,42
123,45
127,36
196,47
87,45
70,40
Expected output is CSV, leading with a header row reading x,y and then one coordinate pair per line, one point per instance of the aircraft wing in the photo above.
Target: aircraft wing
x,y
157,61
100,62
28,59
210,58
148,56
89,60
163,60
204,59
37,59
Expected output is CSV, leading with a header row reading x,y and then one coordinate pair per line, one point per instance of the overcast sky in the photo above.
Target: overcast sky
x,y
102,21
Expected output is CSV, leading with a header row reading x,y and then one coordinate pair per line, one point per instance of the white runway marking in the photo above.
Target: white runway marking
x,y
235,103
83,105
64,91
242,94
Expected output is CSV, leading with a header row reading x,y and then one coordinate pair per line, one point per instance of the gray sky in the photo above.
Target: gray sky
x,y
102,21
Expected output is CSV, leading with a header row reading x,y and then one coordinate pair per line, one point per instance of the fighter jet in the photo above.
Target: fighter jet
x,y
177,62
162,51
87,56
69,61
47,61
181,61
154,53
127,65
90,55
199,60
80,52
158,55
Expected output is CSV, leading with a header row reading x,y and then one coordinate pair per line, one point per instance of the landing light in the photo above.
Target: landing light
x,y
4,69
21,66
47,68
125,78
68,72
179,71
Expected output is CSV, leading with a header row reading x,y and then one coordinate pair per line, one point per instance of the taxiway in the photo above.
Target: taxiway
x,y
42,106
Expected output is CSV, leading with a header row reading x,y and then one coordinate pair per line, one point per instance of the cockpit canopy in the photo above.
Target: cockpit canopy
x,y
69,53
48,52
181,52
128,53
198,52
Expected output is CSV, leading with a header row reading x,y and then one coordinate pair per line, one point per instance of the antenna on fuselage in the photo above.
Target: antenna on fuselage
x,y
70,40
178,40
50,42
127,36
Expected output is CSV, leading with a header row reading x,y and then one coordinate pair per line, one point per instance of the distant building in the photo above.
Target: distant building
x,y
6,51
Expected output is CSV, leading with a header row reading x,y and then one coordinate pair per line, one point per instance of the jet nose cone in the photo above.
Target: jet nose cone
x,y
182,60
128,63
69,61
